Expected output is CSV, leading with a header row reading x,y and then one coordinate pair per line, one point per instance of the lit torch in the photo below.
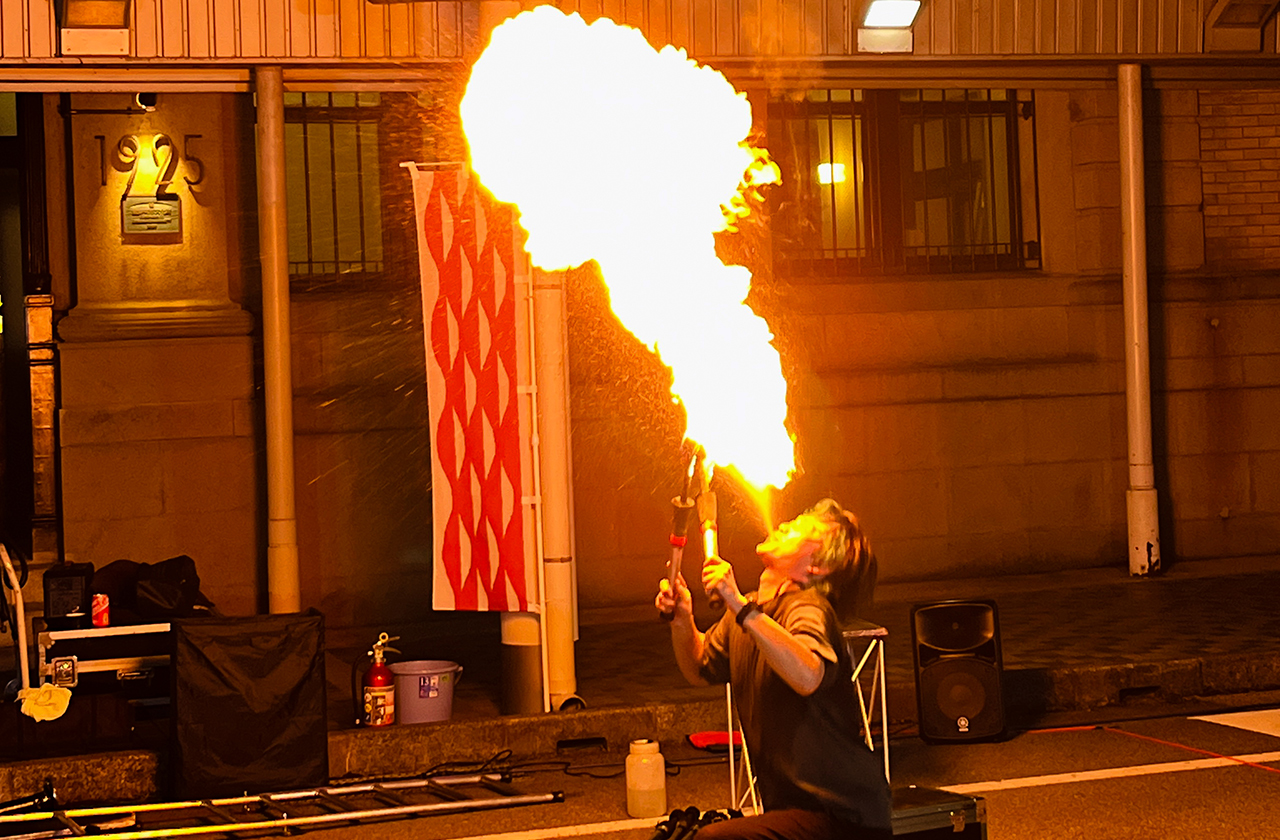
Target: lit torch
x,y
680,507
707,516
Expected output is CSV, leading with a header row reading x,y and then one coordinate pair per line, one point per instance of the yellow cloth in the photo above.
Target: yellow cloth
x,y
48,702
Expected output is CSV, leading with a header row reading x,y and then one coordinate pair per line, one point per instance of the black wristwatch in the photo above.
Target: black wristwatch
x,y
743,614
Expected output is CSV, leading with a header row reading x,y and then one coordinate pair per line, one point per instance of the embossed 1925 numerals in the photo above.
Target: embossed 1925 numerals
x,y
131,149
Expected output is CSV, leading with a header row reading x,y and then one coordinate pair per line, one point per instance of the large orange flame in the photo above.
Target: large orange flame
x,y
636,158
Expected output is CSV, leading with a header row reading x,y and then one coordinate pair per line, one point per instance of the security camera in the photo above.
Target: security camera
x,y
146,101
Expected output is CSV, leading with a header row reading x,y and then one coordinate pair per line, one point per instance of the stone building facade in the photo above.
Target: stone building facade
x,y
965,398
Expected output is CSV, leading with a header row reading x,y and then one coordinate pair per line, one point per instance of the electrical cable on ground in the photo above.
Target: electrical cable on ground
x,y
673,767
498,763
489,765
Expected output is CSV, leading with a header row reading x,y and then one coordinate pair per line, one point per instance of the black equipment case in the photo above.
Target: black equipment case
x,y
107,658
928,814
119,680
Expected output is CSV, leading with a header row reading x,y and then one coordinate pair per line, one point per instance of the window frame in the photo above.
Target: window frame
x,y
347,272
879,118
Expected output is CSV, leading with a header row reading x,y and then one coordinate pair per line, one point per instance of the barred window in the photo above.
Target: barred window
x,y
333,184
901,181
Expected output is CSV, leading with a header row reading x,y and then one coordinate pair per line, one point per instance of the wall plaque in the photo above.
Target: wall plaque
x,y
147,215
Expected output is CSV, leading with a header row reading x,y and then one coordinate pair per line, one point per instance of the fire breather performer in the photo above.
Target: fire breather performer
x,y
781,649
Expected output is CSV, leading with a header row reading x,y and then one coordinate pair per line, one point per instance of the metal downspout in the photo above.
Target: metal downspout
x,y
557,485
525,675
283,578
1140,498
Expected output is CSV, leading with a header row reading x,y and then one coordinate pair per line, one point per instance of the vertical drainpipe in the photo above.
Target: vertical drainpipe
x,y
1140,498
555,457
524,634
282,525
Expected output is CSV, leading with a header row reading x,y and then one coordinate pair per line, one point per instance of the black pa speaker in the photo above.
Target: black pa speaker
x,y
956,647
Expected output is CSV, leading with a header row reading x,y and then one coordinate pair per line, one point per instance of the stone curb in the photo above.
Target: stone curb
x,y
123,776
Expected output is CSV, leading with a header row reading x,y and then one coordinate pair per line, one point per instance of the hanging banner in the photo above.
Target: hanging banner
x,y
475,288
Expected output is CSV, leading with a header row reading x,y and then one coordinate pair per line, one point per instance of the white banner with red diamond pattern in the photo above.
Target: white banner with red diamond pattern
x,y
475,287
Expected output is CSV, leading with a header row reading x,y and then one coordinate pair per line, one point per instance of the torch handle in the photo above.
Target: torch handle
x,y
677,556
673,570
680,507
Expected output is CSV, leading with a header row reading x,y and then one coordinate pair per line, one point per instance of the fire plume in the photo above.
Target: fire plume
x,y
636,158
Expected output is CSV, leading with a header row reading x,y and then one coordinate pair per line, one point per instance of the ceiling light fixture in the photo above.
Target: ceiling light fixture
x,y
896,14
886,26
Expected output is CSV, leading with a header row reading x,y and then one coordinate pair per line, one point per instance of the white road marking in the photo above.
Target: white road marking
x,y
1266,721
1113,773
974,787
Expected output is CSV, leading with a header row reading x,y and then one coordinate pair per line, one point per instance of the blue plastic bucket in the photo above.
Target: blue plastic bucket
x,y
424,689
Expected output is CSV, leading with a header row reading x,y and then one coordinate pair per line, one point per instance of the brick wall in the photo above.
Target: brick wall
x,y
1240,159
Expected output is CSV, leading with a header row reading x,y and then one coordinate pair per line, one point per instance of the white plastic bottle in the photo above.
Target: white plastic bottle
x,y
646,780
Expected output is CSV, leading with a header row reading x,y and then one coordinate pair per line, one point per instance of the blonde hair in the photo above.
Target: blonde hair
x,y
846,557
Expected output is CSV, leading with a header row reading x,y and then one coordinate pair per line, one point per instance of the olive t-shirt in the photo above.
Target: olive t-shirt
x,y
806,751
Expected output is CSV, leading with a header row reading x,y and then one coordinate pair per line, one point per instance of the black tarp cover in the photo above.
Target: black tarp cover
x,y
249,705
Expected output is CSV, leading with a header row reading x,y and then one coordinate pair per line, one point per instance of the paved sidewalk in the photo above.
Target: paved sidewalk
x,y
1072,641
1221,615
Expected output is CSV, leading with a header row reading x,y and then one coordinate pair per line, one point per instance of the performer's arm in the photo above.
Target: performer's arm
x,y
795,662
787,654
686,640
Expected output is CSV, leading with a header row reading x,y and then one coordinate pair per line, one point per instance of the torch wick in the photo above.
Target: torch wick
x,y
696,471
694,463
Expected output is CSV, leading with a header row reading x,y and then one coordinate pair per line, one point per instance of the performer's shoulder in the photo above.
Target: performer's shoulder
x,y
807,602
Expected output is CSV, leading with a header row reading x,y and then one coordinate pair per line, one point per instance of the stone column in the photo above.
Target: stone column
x,y
157,419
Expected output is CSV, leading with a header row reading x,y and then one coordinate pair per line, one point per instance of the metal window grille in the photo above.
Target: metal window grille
x,y
333,185
908,181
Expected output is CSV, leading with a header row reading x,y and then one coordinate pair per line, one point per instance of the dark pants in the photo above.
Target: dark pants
x,y
790,824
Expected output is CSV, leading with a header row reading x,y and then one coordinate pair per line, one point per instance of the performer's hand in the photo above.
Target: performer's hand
x,y
674,603
717,577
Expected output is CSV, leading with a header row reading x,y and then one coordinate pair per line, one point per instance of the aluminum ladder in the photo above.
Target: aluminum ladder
x,y
314,807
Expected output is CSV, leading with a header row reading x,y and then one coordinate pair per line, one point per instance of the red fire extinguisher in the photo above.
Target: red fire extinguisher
x,y
378,688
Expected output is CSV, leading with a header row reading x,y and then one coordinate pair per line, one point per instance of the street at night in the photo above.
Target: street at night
x,y
460,419
1165,775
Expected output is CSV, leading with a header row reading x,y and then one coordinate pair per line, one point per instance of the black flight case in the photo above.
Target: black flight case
x,y
119,682
927,814
130,657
